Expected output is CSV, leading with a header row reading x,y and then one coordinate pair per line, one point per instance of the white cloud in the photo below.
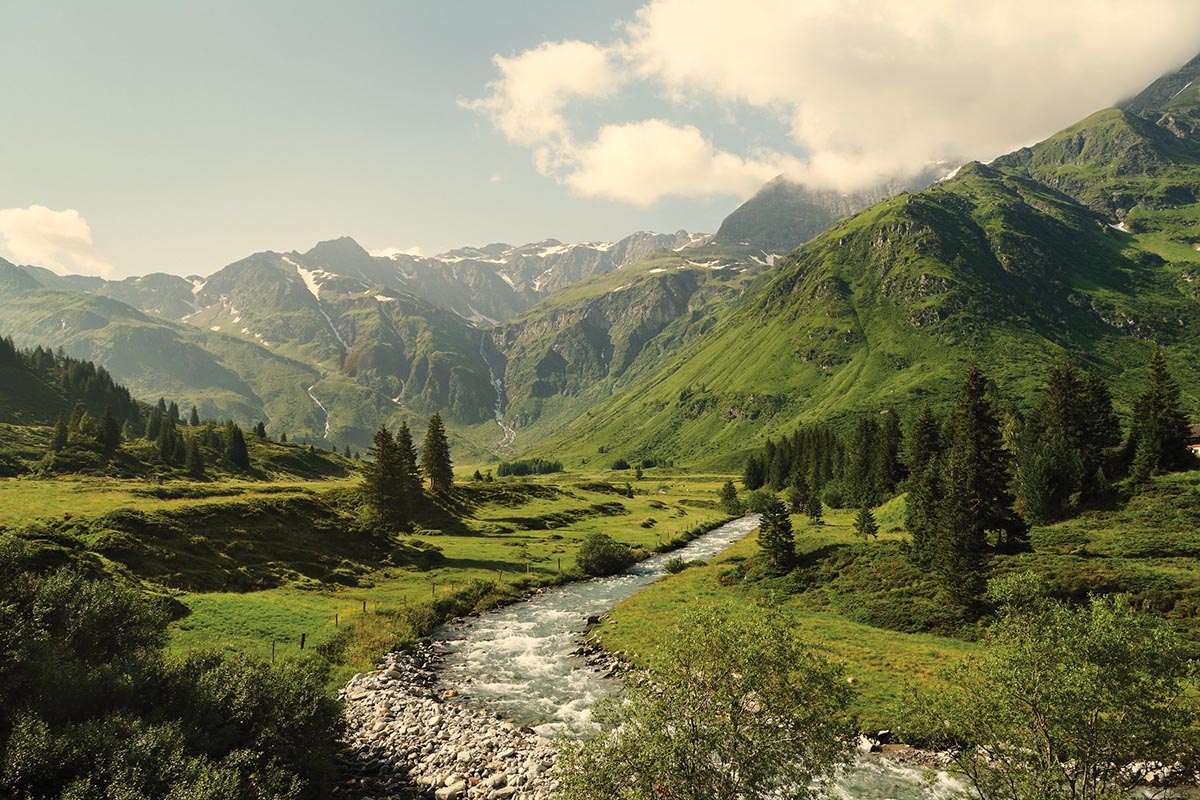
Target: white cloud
x,y
388,252
58,240
534,87
866,88
640,162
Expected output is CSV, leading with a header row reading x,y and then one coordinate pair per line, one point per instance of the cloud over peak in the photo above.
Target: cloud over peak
x,y
866,89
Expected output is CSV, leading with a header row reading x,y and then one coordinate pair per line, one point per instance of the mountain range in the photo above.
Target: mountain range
x,y
805,305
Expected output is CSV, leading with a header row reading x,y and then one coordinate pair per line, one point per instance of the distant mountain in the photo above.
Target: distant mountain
x,y
784,214
1085,246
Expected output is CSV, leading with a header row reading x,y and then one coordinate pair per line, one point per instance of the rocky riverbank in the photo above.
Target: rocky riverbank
x,y
409,738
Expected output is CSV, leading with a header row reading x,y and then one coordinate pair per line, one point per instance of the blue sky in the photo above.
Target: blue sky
x,y
152,136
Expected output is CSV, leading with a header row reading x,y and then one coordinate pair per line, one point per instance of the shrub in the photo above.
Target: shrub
x,y
601,555
620,464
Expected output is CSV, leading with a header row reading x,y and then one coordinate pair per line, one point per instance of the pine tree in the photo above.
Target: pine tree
x,y
857,476
729,498
109,433
59,440
1159,436
410,474
923,504
283,437
173,413
260,430
235,447
813,509
166,440
435,457
154,425
752,475
194,418
775,537
887,470
865,525
193,461
383,486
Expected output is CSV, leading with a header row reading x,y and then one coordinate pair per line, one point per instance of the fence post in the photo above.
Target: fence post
x,y
272,651
364,606
335,620
560,564
302,641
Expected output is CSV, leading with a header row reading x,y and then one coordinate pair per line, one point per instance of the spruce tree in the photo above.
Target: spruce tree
x,y
865,525
1159,435
858,474
193,461
59,440
923,503
435,457
194,418
154,425
887,470
752,475
775,537
383,486
409,472
260,430
813,509
729,498
235,447
109,434
166,440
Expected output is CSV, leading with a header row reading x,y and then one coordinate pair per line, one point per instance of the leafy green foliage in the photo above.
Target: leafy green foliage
x,y
730,709
89,704
1066,701
600,554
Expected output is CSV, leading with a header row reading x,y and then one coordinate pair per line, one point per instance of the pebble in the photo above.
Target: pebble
x,y
401,724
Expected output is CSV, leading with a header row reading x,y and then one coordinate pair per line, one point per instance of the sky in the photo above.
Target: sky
x,y
147,136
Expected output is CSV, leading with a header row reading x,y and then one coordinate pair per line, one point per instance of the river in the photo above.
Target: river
x,y
518,662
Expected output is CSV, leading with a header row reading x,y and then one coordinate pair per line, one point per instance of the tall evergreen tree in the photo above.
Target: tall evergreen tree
x,y
887,470
383,485
865,525
194,418
924,483
166,440
109,433
435,457
858,475
59,439
410,473
1159,436
235,447
193,461
154,424
752,475
775,537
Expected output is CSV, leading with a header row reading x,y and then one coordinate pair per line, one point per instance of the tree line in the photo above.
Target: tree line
x,y
92,386
977,477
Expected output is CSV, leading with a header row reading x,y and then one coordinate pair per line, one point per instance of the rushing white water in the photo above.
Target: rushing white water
x,y
510,435
518,661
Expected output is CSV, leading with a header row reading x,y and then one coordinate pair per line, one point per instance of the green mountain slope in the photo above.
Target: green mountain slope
x,y
784,214
581,344
1016,265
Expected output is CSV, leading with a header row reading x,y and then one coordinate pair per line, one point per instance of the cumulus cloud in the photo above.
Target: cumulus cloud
x,y
640,162
388,252
526,103
58,240
867,89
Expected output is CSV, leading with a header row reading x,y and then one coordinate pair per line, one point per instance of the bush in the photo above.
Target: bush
x,y
620,464
734,708
675,565
90,706
601,555
759,500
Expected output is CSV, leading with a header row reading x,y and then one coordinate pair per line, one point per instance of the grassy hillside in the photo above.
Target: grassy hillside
x,y
884,310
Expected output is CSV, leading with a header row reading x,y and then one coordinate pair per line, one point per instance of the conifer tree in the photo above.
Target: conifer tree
x,y
923,504
865,525
59,439
193,461
1159,435
775,537
858,477
260,430
729,498
383,486
173,413
166,440
235,447
813,509
435,457
194,418
752,475
154,424
409,472
109,433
